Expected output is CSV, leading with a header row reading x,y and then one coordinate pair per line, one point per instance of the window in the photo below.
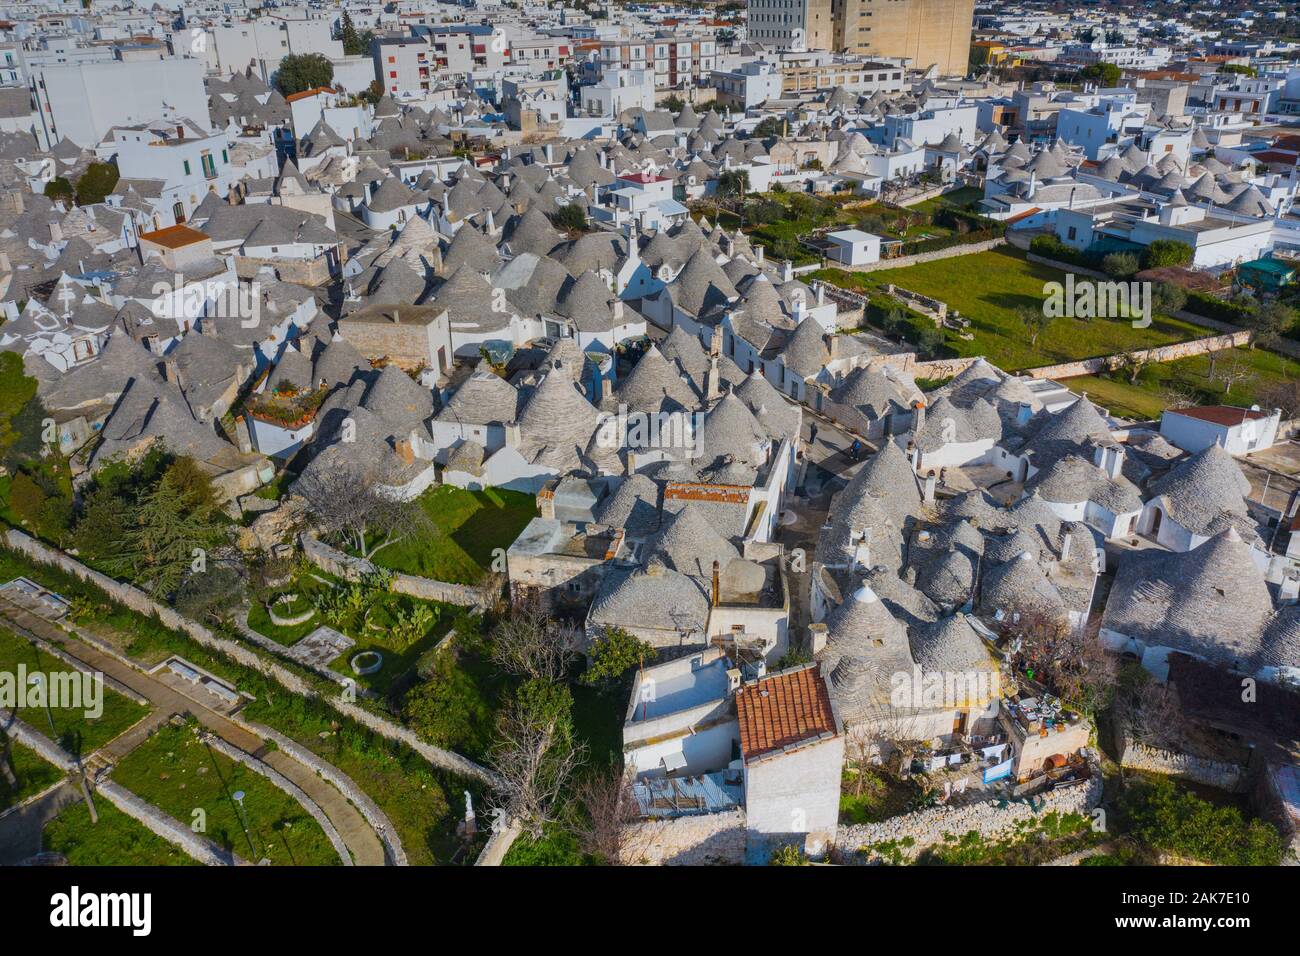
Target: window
x,y
1072,233
187,167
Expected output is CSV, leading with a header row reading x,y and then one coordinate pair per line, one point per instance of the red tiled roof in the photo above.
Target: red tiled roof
x,y
174,237
691,491
788,708
1225,415
314,91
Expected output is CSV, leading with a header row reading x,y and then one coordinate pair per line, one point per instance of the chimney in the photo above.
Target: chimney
x,y
759,253
172,373
618,310
821,292
817,636
1024,413
862,549
550,154
713,379
1289,593
180,130
546,501
490,222
929,487
512,434
716,584
918,416
1067,539
787,270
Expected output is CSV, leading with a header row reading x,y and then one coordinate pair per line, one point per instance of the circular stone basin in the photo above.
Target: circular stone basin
x,y
276,612
367,662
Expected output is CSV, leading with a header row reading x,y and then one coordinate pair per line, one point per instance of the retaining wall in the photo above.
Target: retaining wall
x,y
928,827
349,568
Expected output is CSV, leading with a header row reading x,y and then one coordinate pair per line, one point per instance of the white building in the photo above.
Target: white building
x,y
83,101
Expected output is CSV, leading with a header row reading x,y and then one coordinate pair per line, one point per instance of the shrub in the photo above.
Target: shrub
x,y
96,183
1167,252
1120,265
59,188
1225,310
1167,817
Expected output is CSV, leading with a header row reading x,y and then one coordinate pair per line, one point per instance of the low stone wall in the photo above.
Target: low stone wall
x,y
308,272
376,817
498,845
137,600
33,739
903,262
289,787
1213,773
708,839
197,846
349,568
1161,353
928,827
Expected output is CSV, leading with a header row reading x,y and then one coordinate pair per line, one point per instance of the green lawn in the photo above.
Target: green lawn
x,y
259,619
987,288
116,840
34,774
76,733
176,772
470,525
1162,383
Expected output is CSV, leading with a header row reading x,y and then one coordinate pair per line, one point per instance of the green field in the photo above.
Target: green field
x,y
1165,383
78,734
34,774
179,774
469,526
988,287
116,840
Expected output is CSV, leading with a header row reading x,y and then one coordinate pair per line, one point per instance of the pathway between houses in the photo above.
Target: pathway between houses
x,y
361,841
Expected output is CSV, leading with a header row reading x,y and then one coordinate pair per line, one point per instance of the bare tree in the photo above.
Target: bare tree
x,y
1152,715
606,828
351,507
1071,661
532,644
1283,394
534,757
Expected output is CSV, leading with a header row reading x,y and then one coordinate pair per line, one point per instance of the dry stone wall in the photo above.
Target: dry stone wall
x,y
708,839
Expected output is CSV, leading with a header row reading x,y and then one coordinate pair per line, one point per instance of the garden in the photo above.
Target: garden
x,y
223,800
468,527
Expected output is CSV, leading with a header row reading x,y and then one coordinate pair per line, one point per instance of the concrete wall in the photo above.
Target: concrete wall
x,y
794,797
903,261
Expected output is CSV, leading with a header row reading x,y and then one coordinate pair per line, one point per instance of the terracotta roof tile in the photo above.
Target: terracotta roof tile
x,y
782,710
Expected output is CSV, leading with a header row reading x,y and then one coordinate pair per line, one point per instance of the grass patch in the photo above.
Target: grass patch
x,y
34,774
471,525
988,287
882,796
116,840
178,773
78,734
1164,382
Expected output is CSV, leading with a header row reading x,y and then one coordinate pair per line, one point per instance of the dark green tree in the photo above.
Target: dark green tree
x,y
448,710
303,71
96,183
613,654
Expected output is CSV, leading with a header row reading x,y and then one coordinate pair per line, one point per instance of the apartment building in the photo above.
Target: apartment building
x,y
854,75
184,158
793,24
674,60
83,101
927,32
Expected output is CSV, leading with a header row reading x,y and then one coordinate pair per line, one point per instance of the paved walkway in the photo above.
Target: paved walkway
x,y
365,846
20,831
